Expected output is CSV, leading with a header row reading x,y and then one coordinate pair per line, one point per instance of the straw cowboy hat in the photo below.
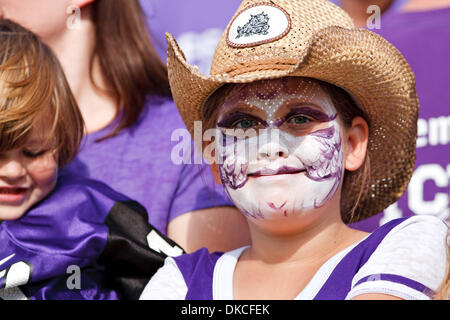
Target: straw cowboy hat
x,y
316,39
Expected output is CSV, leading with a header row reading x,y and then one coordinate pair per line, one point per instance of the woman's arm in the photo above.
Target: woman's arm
x,y
218,229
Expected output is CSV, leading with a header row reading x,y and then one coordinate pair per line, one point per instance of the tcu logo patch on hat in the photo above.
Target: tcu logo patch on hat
x,y
258,24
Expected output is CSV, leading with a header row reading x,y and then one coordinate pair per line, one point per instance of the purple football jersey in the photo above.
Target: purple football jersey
x,y
84,241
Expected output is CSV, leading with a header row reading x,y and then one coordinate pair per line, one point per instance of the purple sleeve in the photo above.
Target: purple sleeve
x,y
86,226
66,229
197,269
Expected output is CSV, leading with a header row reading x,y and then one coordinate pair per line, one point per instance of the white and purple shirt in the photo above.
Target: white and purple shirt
x,y
405,258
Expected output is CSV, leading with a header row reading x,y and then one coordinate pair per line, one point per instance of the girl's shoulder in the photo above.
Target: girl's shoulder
x,y
402,233
425,223
408,261
416,232
404,257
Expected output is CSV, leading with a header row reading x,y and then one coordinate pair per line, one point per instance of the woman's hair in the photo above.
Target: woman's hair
x,y
34,91
346,108
130,65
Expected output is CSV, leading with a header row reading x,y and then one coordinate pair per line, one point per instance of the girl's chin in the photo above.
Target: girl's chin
x,y
280,199
8,213
281,225
277,211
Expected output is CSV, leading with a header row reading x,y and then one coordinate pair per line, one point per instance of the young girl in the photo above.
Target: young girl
x,y
61,236
314,127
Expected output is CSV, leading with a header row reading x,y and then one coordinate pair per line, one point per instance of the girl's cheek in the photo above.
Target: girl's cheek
x,y
44,170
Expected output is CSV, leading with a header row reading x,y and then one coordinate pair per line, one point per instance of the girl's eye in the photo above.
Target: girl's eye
x,y
31,154
299,120
245,124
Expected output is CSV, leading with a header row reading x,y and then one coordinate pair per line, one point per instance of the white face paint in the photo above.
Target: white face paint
x,y
281,147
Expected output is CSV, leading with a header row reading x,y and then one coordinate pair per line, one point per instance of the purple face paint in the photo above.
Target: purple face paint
x,y
324,133
329,166
273,206
234,118
287,173
309,112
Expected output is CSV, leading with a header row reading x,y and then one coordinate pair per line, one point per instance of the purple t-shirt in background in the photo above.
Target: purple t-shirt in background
x,y
138,162
196,24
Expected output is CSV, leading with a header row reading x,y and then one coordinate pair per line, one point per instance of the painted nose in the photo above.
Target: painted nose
x,y
11,170
272,151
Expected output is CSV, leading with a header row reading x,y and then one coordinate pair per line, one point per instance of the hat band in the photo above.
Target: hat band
x,y
261,65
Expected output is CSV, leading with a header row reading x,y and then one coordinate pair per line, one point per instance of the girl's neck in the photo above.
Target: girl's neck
x,y
310,243
281,266
74,48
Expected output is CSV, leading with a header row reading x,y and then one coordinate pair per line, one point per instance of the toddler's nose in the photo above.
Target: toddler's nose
x,y
11,170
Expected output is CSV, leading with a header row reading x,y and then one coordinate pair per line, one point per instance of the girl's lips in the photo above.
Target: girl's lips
x,y
10,195
272,172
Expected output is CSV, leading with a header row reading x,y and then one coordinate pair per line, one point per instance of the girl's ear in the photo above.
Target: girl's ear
x,y
216,173
357,137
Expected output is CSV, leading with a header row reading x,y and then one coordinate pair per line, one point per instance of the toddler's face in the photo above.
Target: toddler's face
x,y
27,175
281,147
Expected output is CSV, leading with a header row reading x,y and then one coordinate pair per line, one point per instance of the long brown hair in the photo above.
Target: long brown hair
x,y
131,67
33,88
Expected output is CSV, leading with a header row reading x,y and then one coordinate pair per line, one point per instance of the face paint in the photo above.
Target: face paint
x,y
281,147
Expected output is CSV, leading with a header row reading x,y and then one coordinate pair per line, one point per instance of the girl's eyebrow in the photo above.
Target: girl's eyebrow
x,y
308,111
236,115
